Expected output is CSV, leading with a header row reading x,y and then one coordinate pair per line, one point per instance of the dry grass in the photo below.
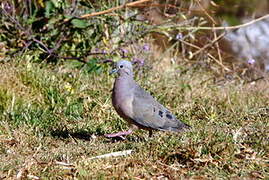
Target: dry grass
x,y
53,121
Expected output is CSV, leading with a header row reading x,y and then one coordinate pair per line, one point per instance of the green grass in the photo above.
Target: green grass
x,y
53,114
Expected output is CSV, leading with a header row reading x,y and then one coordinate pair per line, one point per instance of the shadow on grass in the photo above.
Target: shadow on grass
x,y
130,138
83,135
86,135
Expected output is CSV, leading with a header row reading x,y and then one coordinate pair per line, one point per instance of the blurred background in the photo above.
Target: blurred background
x,y
157,33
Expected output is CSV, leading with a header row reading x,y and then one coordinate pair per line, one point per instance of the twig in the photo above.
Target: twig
x,y
80,59
257,79
132,4
212,57
63,164
209,44
43,45
32,177
165,165
12,19
217,28
113,154
217,45
206,13
224,67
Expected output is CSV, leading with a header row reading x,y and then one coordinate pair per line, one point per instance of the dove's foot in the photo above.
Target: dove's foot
x,y
150,133
119,134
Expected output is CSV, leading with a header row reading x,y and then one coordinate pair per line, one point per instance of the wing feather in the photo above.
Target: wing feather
x,y
150,113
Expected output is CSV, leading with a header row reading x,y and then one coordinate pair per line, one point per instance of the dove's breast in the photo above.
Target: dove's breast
x,y
122,98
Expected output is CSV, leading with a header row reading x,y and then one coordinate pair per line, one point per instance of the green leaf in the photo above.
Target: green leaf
x,y
68,16
49,8
78,23
56,3
231,19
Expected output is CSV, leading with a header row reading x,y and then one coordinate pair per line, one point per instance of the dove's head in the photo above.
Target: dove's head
x,y
123,67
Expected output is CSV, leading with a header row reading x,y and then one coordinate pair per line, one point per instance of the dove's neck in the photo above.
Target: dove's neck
x,y
126,73
124,81
122,92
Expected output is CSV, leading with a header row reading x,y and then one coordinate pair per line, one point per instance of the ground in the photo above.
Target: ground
x,y
53,118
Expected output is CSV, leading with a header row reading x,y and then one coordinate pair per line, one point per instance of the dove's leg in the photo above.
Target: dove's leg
x,y
119,134
150,133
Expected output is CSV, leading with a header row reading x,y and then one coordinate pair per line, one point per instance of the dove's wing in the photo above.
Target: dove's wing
x,y
150,113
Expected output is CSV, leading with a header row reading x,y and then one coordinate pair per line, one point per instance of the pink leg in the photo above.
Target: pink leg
x,y
119,134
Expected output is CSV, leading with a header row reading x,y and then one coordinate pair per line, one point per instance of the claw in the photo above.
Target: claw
x,y
119,134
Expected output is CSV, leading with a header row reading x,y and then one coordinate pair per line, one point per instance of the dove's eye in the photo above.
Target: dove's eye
x,y
121,66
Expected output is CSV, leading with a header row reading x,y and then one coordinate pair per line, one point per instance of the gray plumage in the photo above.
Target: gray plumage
x,y
137,106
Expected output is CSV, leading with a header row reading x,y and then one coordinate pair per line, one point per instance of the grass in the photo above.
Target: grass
x,y
51,114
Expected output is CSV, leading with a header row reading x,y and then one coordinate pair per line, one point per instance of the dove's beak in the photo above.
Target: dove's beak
x,y
113,71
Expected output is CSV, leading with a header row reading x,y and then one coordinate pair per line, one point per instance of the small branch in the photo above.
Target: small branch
x,y
32,177
206,13
212,57
132,4
257,79
113,154
216,28
43,45
105,61
63,164
217,44
224,67
81,59
12,19
209,44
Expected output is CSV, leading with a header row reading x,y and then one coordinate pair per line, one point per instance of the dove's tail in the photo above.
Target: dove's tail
x,y
181,127
178,127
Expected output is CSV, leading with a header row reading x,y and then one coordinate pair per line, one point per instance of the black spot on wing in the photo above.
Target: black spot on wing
x,y
161,113
169,116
